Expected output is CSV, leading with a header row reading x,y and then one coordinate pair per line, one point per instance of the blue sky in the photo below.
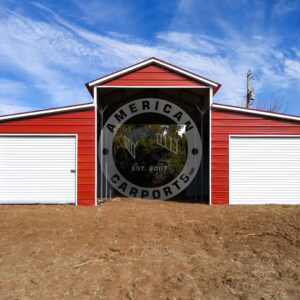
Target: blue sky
x,y
49,49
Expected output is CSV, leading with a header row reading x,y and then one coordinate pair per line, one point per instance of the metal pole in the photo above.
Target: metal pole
x,y
101,111
101,156
106,181
202,140
248,88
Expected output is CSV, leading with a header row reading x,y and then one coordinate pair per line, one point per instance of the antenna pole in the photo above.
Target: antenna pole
x,y
248,88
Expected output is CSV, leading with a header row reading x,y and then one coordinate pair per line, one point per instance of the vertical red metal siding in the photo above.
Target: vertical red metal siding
x,y
81,123
153,76
226,123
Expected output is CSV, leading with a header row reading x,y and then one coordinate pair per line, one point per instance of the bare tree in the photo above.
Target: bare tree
x,y
275,104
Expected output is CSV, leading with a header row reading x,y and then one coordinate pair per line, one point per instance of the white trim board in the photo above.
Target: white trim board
x,y
255,112
209,143
148,62
264,135
76,170
96,145
47,111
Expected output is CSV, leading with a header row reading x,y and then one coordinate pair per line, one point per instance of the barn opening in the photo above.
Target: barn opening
x,y
153,143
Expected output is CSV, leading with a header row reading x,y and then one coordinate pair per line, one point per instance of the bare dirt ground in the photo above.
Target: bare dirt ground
x,y
134,249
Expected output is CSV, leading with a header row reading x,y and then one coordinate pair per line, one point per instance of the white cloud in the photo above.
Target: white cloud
x,y
189,41
185,4
297,51
44,52
11,94
56,56
10,88
292,68
16,107
258,37
104,11
283,7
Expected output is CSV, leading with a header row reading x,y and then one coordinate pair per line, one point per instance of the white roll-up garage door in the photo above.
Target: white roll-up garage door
x,y
37,169
264,170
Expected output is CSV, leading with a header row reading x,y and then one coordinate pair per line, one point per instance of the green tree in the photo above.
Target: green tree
x,y
149,154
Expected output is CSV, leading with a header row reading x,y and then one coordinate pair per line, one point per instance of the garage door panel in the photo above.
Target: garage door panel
x,y
264,170
37,172
33,165
37,169
38,181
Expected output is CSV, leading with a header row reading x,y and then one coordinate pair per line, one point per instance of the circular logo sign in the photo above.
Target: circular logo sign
x,y
150,148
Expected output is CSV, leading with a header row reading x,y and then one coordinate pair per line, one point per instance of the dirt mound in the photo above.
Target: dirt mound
x,y
135,249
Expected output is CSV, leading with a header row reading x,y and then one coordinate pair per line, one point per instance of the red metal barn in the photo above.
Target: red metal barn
x,y
255,156
195,150
48,156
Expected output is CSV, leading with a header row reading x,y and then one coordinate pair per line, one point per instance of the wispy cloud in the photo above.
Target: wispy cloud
x,y
292,68
55,56
258,37
190,41
46,55
198,53
283,7
230,60
101,12
12,97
